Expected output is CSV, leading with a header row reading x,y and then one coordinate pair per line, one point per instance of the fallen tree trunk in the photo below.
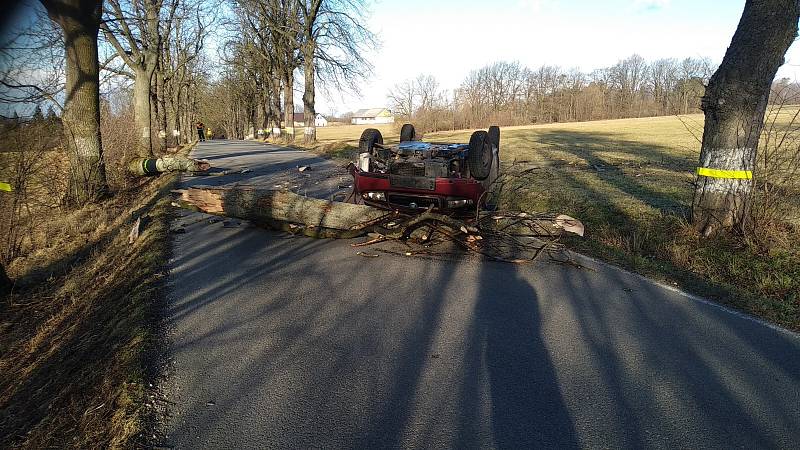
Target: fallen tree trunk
x,y
504,236
167,163
285,210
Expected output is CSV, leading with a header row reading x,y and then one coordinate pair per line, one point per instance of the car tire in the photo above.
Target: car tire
x,y
407,133
480,157
494,136
369,138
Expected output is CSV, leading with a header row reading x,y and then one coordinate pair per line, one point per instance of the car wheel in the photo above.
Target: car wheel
x,y
369,138
494,136
407,133
479,157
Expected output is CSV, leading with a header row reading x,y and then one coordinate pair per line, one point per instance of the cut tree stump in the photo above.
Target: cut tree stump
x,y
167,163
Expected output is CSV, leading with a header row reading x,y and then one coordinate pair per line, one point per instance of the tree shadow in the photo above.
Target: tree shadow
x,y
670,371
587,146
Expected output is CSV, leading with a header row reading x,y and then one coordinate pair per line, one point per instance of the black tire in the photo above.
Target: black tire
x,y
479,157
369,138
494,136
407,133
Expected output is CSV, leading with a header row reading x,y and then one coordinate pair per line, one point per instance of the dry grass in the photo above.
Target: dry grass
x,y
630,181
72,336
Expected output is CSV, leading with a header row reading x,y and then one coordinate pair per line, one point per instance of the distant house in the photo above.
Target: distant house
x,y
372,116
319,120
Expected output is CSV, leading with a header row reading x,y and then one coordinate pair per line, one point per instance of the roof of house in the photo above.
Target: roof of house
x,y
300,117
373,112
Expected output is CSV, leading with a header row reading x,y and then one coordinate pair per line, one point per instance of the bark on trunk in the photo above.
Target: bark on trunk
x,y
288,102
141,112
80,22
167,163
309,114
284,210
275,109
161,117
734,104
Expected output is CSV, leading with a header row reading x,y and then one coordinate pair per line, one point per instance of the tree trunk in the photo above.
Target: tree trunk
x,y
285,210
288,102
141,112
176,108
80,22
161,103
734,105
309,115
167,163
265,116
275,107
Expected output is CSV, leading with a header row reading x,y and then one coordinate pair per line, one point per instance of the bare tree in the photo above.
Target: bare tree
x,y
134,30
401,98
734,105
80,21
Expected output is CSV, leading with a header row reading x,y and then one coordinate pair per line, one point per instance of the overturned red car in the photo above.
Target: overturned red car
x,y
418,175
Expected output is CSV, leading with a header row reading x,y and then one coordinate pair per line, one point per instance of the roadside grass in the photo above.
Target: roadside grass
x,y
631,182
73,335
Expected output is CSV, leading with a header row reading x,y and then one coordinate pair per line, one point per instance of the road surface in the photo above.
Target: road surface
x,y
291,342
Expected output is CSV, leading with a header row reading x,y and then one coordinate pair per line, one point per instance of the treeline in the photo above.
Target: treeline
x,y
508,93
157,45
271,42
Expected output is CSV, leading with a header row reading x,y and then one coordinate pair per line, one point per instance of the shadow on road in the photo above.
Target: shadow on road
x,y
505,348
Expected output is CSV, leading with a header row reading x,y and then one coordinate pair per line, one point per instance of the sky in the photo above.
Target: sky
x,y
448,38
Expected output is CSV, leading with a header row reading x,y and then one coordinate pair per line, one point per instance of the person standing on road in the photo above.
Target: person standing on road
x,y
200,132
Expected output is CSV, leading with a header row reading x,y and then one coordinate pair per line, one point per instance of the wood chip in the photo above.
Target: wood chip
x,y
134,234
367,255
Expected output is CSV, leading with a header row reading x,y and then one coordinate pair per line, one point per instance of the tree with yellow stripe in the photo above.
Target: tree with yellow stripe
x,y
734,105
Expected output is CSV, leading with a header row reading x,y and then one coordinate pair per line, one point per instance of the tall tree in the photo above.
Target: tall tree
x,y
137,25
309,10
734,105
80,22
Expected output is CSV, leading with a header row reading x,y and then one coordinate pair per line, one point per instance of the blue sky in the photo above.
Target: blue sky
x,y
448,38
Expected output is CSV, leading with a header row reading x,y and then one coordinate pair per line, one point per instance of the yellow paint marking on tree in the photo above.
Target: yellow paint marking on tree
x,y
5,187
731,174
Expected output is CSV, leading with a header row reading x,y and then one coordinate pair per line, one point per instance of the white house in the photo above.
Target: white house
x,y
372,116
319,120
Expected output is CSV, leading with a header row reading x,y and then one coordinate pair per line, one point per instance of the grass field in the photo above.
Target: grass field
x,y
630,182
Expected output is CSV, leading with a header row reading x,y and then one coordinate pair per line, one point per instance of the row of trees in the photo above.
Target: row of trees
x,y
274,40
508,93
83,46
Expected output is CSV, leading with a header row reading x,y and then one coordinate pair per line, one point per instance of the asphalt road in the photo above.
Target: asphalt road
x,y
292,342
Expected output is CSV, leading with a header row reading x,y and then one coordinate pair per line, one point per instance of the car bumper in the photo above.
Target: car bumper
x,y
441,193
